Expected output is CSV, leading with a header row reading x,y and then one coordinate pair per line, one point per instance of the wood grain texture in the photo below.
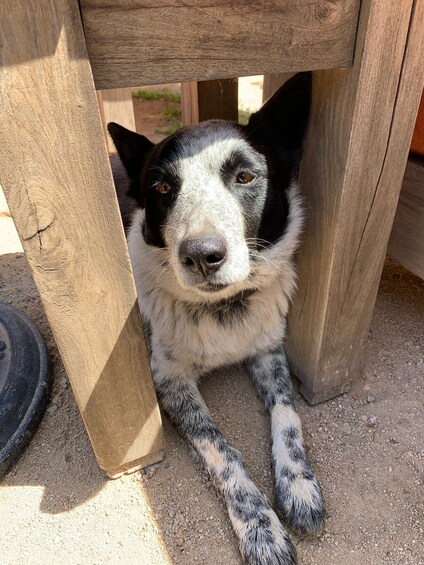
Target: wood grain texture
x,y
355,156
272,83
116,105
406,243
208,100
151,42
189,103
56,176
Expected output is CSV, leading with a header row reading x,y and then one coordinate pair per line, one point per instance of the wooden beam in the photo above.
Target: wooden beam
x,y
355,156
406,243
57,180
150,42
210,99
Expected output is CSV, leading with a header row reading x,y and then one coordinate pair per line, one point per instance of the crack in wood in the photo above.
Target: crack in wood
x,y
38,233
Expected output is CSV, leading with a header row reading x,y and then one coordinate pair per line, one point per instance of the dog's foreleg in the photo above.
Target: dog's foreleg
x,y
263,539
298,494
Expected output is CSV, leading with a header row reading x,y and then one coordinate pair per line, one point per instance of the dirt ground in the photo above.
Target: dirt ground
x,y
367,447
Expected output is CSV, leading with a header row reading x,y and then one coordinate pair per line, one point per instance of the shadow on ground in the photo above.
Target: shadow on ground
x,y
59,457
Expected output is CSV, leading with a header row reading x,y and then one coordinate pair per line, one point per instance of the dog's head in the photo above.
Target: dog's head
x,y
216,195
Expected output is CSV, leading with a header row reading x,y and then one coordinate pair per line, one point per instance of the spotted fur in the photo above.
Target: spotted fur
x,y
211,242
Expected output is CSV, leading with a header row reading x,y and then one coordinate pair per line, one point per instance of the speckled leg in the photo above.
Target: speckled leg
x,y
298,495
263,539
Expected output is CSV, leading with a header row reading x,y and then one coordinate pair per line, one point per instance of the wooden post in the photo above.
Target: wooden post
x,y
116,105
406,243
355,156
209,99
56,176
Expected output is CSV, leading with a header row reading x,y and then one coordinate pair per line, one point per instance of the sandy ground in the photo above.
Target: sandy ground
x,y
367,447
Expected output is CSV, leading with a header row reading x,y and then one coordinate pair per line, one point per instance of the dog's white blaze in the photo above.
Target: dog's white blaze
x,y
204,205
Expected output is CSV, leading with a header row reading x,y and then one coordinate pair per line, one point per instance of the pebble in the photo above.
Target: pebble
x,y
370,398
148,472
346,428
63,383
372,421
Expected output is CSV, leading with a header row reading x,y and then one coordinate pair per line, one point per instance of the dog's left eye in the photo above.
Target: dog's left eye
x,y
162,187
245,177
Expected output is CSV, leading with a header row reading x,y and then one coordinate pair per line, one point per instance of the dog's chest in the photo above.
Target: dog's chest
x,y
188,341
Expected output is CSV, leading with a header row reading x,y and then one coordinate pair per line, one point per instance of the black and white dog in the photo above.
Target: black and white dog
x,y
211,244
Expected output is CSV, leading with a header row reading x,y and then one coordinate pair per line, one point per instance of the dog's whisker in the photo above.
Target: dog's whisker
x,y
254,245
178,230
163,264
259,256
155,250
164,267
258,239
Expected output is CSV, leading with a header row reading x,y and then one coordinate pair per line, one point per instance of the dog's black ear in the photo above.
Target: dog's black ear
x,y
282,121
132,148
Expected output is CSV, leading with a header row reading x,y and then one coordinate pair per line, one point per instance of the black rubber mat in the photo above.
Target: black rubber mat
x,y
24,383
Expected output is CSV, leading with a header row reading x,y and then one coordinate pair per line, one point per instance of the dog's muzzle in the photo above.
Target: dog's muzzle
x,y
203,256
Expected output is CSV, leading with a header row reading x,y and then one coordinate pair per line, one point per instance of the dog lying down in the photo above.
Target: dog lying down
x,y
211,242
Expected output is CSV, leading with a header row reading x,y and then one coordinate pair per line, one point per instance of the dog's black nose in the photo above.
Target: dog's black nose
x,y
204,255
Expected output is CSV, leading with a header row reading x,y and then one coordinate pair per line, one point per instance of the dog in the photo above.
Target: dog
x,y
217,221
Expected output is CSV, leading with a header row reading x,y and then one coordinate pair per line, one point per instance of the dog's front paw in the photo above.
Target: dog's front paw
x,y
266,542
300,501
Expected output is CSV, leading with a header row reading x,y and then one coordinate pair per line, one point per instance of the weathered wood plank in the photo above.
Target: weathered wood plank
x,y
210,99
355,156
406,243
150,42
56,176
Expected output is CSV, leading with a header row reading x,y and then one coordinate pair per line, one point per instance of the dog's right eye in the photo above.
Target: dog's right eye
x,y
162,187
245,177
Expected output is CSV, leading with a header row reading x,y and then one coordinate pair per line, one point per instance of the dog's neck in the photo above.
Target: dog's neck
x,y
240,297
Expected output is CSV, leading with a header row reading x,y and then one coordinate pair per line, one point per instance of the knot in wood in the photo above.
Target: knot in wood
x,y
323,11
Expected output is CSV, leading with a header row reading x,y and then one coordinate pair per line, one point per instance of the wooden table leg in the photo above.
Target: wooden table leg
x,y
56,176
358,141
209,99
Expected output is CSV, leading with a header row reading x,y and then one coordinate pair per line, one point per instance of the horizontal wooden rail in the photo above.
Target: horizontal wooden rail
x,y
155,41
